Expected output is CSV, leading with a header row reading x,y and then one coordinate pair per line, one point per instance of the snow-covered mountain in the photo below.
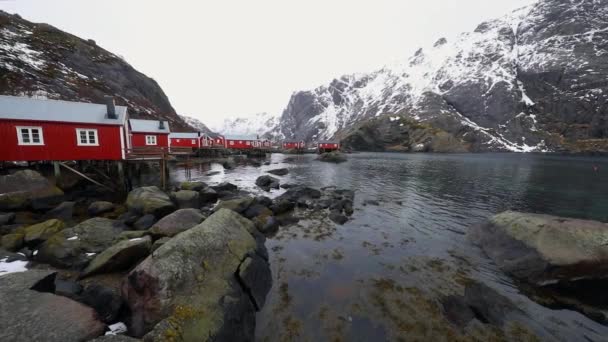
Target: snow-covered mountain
x,y
533,80
197,124
262,124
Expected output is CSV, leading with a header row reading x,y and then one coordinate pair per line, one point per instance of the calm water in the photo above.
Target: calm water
x,y
382,275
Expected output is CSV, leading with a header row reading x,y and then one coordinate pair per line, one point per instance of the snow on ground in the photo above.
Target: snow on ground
x,y
12,267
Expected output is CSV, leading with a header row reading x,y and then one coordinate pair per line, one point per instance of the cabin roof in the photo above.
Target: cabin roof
x,y
184,135
329,142
148,126
241,137
26,108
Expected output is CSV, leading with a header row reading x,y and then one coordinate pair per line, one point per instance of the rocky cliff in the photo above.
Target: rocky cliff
x,y
534,80
42,61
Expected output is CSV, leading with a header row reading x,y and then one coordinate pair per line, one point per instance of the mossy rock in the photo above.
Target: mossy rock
x,y
40,232
150,200
12,242
194,186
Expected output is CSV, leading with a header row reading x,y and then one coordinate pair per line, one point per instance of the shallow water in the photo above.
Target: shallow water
x,y
384,274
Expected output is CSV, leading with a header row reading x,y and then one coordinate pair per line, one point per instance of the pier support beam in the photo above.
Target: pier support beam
x,y
57,171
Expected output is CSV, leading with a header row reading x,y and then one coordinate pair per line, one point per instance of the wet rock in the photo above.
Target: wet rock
x,y
267,163
38,233
225,187
267,182
68,288
27,252
371,202
281,206
256,210
68,248
287,219
187,199
32,315
106,301
120,256
287,186
263,200
267,225
189,284
7,218
542,249
300,192
332,157
208,196
228,165
177,222
145,222
100,207
12,242
27,188
194,186
63,212
212,173
337,217
279,172
159,243
255,275
150,200
238,205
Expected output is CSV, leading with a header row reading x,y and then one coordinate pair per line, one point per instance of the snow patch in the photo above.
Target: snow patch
x,y
12,267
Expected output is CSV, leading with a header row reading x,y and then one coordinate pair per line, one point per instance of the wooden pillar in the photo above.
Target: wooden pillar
x,y
121,174
57,170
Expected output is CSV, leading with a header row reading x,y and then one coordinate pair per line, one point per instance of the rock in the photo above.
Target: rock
x,y
337,217
371,202
12,242
189,285
239,205
287,186
282,206
27,188
212,173
543,249
177,222
131,234
267,225
267,182
68,248
187,199
332,157
159,243
145,222
30,315
100,207
287,219
263,200
27,252
300,192
150,200
257,210
225,187
266,163
68,288
194,186
7,218
279,172
10,228
115,338
129,218
38,233
120,256
255,275
106,301
63,212
208,196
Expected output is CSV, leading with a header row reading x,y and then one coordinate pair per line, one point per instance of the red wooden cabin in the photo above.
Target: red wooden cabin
x,y
149,133
328,146
266,144
192,140
51,130
216,140
293,145
242,142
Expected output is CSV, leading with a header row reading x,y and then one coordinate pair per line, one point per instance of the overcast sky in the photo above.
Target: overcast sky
x,y
216,59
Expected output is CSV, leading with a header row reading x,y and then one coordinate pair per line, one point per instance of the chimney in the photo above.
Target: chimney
x,y
111,107
161,124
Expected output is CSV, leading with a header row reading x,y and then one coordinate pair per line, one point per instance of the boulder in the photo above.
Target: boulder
x,y
69,247
544,249
177,222
279,172
30,315
337,217
38,233
12,242
267,182
255,276
100,207
207,196
188,288
194,186
263,200
68,288
131,234
257,210
332,157
115,338
7,218
281,206
187,199
120,256
145,222
212,173
106,301
267,225
239,205
150,200
129,218
159,243
63,212
225,187
26,188
300,192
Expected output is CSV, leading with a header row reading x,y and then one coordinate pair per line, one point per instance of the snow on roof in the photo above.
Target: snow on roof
x,y
329,142
241,137
185,135
26,108
148,126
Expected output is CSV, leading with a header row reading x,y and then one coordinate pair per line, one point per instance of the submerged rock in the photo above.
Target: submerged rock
x,y
188,288
267,182
279,172
150,200
27,188
177,222
543,249
332,157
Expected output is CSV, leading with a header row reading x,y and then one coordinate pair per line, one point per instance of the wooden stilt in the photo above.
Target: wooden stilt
x,y
57,164
57,171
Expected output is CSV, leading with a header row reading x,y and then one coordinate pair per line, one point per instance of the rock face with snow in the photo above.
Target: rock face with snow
x,y
534,80
261,124
42,61
195,123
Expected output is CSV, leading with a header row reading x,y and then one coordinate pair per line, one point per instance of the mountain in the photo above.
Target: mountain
x,y
533,80
262,124
195,123
42,61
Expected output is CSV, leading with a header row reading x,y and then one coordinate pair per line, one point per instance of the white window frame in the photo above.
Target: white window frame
x,y
87,131
150,141
177,140
248,143
231,142
31,136
193,141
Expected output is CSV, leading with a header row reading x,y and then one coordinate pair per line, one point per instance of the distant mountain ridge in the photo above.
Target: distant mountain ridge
x,y
262,124
42,61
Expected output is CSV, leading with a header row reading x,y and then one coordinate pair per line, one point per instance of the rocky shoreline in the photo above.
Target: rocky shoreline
x,y
156,266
